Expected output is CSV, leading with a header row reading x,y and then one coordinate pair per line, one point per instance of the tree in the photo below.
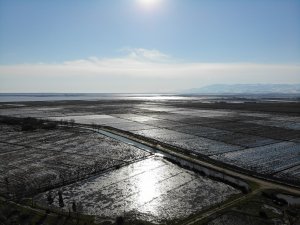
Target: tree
x,y
74,206
72,122
263,214
50,199
120,220
60,199
7,184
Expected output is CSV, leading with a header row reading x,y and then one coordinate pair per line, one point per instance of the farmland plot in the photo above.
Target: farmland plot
x,y
244,140
4,148
164,135
239,139
171,116
199,120
91,119
31,160
277,123
121,120
202,131
266,159
153,189
204,112
258,130
159,108
135,117
292,174
164,123
187,119
131,126
205,146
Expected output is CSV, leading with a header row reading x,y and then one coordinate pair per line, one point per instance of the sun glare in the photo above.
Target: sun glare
x,y
149,3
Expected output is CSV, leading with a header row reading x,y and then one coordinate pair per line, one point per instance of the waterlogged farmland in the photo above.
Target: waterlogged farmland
x,y
268,159
104,177
33,160
107,178
153,190
232,133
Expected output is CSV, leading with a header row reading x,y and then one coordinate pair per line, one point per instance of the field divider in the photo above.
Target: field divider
x,y
241,178
177,158
20,193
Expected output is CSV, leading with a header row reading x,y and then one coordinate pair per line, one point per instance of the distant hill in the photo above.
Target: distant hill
x,y
246,89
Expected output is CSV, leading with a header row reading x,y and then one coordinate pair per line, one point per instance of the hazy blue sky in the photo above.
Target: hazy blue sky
x,y
146,45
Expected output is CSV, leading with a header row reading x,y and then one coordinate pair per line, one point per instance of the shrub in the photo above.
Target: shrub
x,y
60,200
120,220
263,214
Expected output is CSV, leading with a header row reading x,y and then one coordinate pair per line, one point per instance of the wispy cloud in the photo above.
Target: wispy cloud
x,y
140,70
142,54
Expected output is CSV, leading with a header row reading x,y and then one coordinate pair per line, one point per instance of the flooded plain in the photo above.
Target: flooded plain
x,y
108,178
219,127
152,189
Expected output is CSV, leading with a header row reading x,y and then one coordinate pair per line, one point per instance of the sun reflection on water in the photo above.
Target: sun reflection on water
x,y
147,188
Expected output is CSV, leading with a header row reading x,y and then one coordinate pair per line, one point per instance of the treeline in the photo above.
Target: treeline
x,y
28,123
31,123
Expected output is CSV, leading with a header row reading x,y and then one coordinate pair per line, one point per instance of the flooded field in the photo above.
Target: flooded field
x,y
32,160
267,159
152,190
225,132
108,178
228,135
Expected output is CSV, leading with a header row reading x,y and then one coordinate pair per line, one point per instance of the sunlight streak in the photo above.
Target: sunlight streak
x,y
148,4
147,190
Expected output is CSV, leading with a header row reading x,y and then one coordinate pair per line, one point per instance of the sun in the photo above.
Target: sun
x,y
149,3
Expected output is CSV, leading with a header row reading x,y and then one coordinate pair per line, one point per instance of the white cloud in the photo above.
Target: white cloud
x,y
141,70
142,54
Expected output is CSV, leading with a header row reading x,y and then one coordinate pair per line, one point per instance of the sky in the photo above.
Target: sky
x,y
146,45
